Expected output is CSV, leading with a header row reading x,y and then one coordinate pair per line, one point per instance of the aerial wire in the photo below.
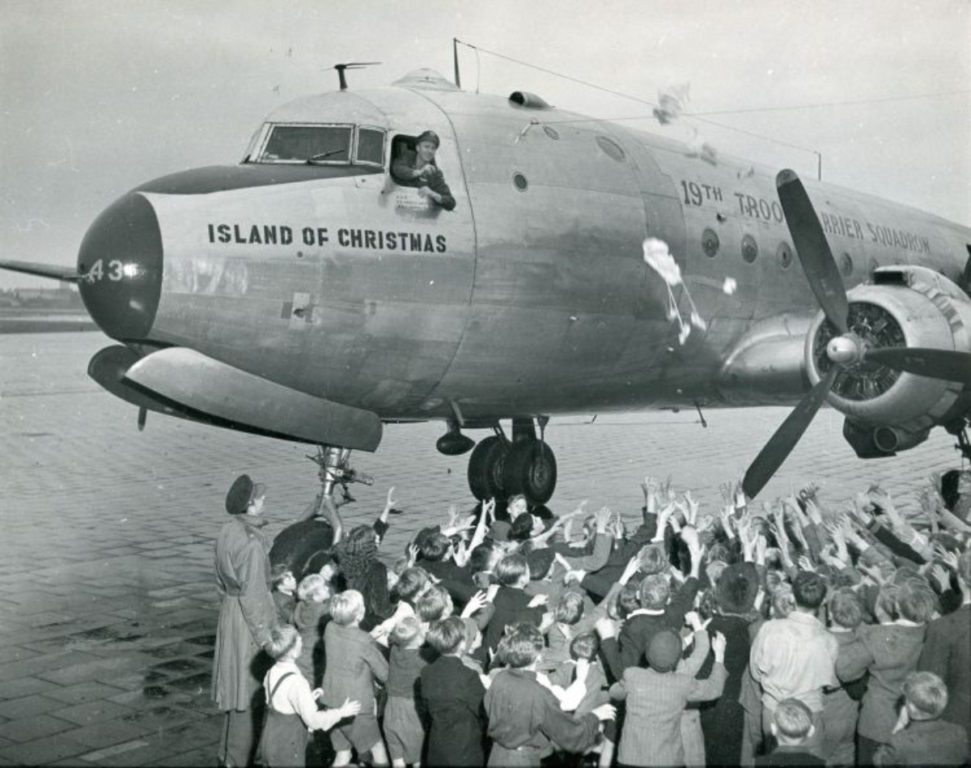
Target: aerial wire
x,y
700,116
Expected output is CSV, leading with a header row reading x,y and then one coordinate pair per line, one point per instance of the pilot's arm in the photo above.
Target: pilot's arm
x,y
403,168
438,191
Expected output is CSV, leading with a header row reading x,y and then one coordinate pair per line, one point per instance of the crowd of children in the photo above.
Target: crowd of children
x,y
785,635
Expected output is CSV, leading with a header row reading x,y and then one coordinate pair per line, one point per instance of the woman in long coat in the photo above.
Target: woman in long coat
x,y
245,619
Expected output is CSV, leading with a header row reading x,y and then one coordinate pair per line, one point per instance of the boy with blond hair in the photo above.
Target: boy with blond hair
x,y
921,736
355,662
792,727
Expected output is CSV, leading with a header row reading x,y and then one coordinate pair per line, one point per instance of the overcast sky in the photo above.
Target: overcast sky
x,y
99,96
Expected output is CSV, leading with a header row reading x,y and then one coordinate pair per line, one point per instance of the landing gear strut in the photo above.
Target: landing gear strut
x,y
335,471
307,544
501,467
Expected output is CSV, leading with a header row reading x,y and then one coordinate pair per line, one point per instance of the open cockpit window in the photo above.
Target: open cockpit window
x,y
319,144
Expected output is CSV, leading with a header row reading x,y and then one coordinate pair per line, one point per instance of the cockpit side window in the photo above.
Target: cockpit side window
x,y
370,146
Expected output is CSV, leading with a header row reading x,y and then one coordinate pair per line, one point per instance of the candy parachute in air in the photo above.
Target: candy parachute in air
x,y
658,257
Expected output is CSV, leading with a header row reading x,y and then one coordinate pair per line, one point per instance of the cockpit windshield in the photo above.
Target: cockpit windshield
x,y
319,144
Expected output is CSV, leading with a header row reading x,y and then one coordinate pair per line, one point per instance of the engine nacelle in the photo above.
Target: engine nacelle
x,y
889,410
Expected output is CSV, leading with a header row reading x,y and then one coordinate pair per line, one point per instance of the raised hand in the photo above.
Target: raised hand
x,y
718,645
727,491
941,576
690,509
727,517
602,518
630,569
949,558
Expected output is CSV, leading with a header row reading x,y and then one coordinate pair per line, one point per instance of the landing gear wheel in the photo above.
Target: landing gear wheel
x,y
303,547
530,469
486,468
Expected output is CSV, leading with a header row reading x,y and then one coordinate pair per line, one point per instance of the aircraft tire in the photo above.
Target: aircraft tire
x,y
304,547
530,469
486,468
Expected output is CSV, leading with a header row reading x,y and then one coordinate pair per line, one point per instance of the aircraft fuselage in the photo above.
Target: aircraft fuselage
x,y
530,297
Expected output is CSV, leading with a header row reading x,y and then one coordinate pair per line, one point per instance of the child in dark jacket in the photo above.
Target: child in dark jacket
x,y
284,585
526,723
512,603
921,737
355,663
452,694
309,615
404,727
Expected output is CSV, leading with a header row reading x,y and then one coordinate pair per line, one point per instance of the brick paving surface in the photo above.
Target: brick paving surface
x,y
107,603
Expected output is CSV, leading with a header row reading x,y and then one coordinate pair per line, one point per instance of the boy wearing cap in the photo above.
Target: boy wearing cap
x,y
418,169
246,617
656,697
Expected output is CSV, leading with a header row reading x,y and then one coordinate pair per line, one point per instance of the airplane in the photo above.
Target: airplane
x,y
308,294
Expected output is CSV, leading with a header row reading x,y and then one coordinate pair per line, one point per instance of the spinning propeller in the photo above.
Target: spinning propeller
x,y
844,350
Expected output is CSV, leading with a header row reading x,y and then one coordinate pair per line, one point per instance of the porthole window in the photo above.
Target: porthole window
x,y
551,132
611,148
785,255
520,181
709,242
846,264
750,249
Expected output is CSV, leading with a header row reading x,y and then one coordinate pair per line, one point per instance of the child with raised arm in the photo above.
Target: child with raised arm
x,y
291,709
355,662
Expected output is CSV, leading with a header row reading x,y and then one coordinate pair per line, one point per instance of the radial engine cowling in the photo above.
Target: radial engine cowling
x,y
888,410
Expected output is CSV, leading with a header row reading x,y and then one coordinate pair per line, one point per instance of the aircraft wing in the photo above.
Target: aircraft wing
x,y
53,271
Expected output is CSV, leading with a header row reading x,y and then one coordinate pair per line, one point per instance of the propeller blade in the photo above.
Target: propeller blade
x,y
784,439
945,364
814,254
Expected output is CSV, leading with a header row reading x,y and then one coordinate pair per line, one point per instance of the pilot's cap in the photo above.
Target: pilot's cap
x,y
242,493
429,136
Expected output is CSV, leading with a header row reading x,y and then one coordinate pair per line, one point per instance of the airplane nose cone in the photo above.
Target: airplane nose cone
x,y
120,263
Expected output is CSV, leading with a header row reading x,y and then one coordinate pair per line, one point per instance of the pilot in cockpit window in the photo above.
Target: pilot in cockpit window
x,y
417,168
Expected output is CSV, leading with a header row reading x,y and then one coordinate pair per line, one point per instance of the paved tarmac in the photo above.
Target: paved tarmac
x,y
107,602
